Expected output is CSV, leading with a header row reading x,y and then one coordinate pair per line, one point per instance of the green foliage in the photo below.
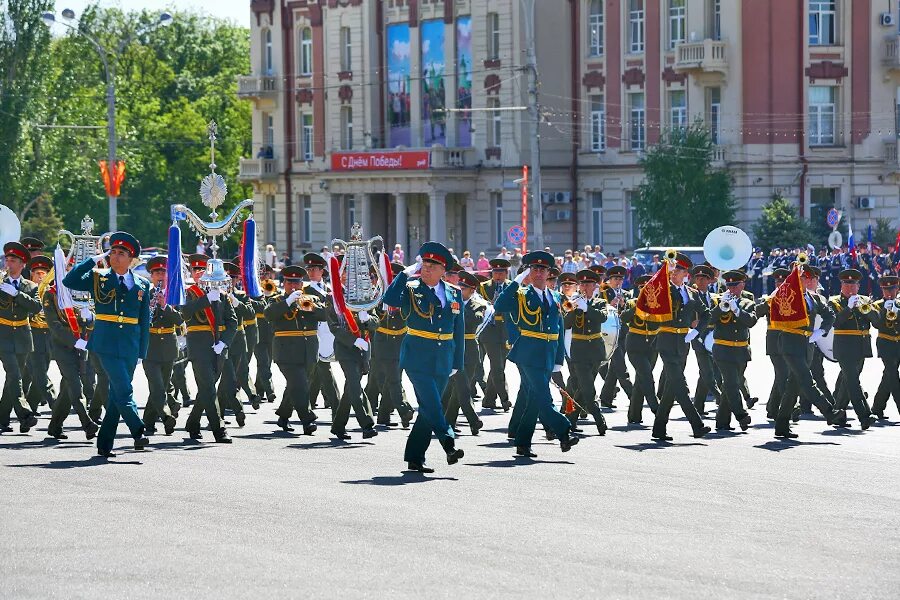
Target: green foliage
x,y
884,234
780,227
43,222
683,197
170,82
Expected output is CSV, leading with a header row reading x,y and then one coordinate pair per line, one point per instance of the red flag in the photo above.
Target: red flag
x,y
654,303
787,306
112,181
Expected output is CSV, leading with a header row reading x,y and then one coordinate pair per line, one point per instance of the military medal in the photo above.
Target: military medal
x,y
455,307
140,295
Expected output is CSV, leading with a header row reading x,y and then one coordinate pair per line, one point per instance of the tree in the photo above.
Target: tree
x,y
43,222
683,196
884,234
780,227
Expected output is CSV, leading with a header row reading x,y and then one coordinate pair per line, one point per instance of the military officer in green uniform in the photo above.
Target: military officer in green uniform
x,y
641,350
211,326
810,279
433,349
39,390
539,350
458,392
294,317
587,351
732,316
250,323
702,277
18,303
227,390
854,314
615,370
673,338
263,350
385,365
321,378
773,350
493,339
162,350
121,331
888,344
68,346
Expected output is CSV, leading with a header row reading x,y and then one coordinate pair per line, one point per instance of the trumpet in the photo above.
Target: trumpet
x,y
569,304
725,301
890,308
269,287
307,302
865,305
671,255
802,259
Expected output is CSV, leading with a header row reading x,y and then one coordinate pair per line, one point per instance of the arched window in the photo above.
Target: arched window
x,y
268,63
595,28
306,57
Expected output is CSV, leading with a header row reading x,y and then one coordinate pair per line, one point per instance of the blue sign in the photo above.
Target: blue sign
x,y
516,234
833,217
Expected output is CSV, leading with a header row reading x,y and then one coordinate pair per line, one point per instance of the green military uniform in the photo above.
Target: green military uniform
x,y
251,336
493,340
71,362
458,393
587,352
640,347
263,353
18,303
385,364
179,374
731,351
706,382
321,378
773,351
615,371
38,391
888,346
354,364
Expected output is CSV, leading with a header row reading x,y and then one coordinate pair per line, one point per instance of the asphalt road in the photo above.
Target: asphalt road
x,y
274,515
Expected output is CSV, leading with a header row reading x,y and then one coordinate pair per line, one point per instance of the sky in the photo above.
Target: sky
x,y
237,11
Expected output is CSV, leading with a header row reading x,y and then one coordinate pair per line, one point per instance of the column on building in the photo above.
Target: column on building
x,y
401,234
437,216
365,214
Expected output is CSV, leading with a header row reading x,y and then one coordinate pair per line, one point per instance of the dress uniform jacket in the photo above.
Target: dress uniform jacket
x,y
163,334
540,343
587,339
731,333
796,341
295,331
851,330
388,337
683,315
201,338
888,341
15,313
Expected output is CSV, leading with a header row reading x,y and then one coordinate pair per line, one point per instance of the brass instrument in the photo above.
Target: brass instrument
x,y
725,301
269,287
802,259
671,255
865,305
569,304
890,308
158,293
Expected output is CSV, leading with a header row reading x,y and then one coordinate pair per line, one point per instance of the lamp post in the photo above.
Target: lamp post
x,y
109,60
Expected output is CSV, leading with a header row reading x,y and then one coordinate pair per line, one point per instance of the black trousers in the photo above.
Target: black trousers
x,y
352,397
644,386
800,381
676,390
848,389
889,386
296,392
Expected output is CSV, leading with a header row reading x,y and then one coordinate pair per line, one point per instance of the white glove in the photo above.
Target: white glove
x,y
361,344
232,299
521,276
690,336
219,347
292,297
734,306
81,344
87,314
213,295
817,335
363,316
581,304
852,301
453,372
99,258
889,305
9,288
557,368
413,269
140,360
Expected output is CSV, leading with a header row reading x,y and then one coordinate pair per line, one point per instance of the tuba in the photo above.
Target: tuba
x,y
81,248
727,248
360,293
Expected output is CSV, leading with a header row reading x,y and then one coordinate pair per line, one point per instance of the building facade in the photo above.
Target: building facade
x,y
408,116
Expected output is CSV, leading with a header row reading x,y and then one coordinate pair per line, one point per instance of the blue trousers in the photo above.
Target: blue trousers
x,y
538,404
429,389
121,401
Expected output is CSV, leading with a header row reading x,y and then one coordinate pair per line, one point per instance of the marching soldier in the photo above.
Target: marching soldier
x,y
810,278
228,383
179,374
385,364
493,339
162,351
888,344
294,320
702,276
673,338
322,378
18,303
263,350
852,344
588,350
351,348
773,350
121,331
39,391
538,351
458,393
732,317
250,322
615,370
641,349
211,326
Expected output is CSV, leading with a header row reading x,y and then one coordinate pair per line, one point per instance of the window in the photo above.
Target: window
x,y
304,212
633,228
271,219
715,19
714,113
637,133
306,136
351,212
268,63
677,22
346,50
497,209
598,124
636,26
493,30
597,218
493,125
822,22
346,128
822,115
677,109
595,28
306,57
268,131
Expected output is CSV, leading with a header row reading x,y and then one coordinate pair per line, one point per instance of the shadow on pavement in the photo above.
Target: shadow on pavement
x,y
272,435
518,462
842,431
94,461
406,478
659,445
633,427
332,443
779,445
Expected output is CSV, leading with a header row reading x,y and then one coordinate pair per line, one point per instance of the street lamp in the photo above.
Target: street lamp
x,y
109,67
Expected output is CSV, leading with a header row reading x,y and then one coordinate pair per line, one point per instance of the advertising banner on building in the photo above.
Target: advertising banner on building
x,y
434,96
398,90
380,161
464,80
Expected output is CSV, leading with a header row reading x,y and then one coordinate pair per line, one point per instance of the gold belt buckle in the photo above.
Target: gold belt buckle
x,y
120,319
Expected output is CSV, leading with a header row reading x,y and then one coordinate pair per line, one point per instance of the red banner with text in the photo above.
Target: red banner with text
x,y
380,161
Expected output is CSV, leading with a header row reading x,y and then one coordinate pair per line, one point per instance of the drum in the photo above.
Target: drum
x,y
609,330
825,344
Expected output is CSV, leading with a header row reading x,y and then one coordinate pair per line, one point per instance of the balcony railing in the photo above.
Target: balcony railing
x,y
890,53
256,86
706,56
255,169
452,158
719,155
890,153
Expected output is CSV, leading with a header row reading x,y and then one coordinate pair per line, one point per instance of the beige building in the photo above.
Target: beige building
x,y
351,119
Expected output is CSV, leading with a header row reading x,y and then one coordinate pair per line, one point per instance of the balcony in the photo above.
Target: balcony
x,y
452,158
890,53
257,169
708,56
719,155
891,159
257,86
